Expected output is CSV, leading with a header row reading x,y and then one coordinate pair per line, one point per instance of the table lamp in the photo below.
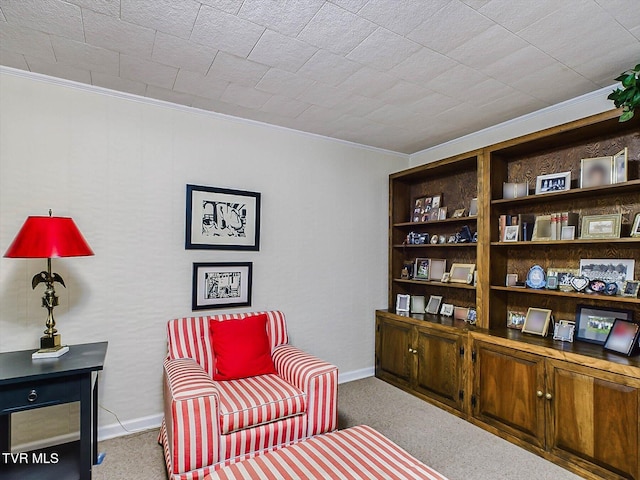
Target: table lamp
x,y
49,237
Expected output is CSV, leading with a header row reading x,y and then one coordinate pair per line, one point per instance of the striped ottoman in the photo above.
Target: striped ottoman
x,y
355,453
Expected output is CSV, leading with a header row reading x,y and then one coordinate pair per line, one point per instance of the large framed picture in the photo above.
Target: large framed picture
x,y
609,270
601,226
222,219
593,324
553,182
595,172
221,285
623,337
537,321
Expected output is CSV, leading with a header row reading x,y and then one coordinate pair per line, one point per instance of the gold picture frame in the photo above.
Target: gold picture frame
x,y
537,321
601,226
542,229
462,273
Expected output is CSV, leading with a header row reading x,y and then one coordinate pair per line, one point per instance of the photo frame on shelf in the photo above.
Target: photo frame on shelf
x,y
516,319
511,233
564,330
446,277
593,324
514,190
433,307
442,213
421,269
630,288
437,268
436,201
553,183
459,213
407,270
542,229
565,275
462,273
222,219
537,321
596,172
601,226
446,309
403,302
620,166
623,337
472,316
460,313
610,270
568,233
473,207
417,304
635,228
221,285
512,280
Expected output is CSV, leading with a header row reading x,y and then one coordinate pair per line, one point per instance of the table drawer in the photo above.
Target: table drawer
x,y
23,396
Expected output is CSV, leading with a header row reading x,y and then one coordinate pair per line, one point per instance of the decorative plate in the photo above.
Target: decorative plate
x,y
536,277
579,283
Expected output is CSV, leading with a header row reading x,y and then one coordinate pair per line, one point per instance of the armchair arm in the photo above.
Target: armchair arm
x,y
318,379
191,415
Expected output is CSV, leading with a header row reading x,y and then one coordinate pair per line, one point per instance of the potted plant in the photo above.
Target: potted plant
x,y
627,97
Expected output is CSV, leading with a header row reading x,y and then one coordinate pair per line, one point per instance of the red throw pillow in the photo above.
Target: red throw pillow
x,y
241,348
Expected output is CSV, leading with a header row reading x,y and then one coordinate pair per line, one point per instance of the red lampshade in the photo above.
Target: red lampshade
x,y
48,237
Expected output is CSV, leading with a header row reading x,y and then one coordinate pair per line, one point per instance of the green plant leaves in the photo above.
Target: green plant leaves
x,y
629,96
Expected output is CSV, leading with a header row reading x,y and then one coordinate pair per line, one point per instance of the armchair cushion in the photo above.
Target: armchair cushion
x,y
253,401
241,348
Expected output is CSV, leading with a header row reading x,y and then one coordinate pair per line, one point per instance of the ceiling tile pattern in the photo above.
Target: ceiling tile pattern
x,y
397,74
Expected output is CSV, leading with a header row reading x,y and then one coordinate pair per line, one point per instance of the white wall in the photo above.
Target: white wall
x,y
565,112
119,167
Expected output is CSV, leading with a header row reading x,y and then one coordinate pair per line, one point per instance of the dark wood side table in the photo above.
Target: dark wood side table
x,y
26,384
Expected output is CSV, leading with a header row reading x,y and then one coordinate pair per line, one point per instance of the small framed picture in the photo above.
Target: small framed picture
x,y
407,270
553,182
601,226
446,309
436,201
515,320
620,166
568,233
595,172
446,277
542,229
460,313
442,239
402,302
552,282
417,304
433,307
437,268
564,275
460,272
442,213
623,337
511,233
630,289
473,207
564,331
512,279
635,229
472,316
593,324
421,269
433,214
459,213
221,285
537,321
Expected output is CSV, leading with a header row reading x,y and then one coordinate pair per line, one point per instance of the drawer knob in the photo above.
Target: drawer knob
x,y
548,396
33,396
539,393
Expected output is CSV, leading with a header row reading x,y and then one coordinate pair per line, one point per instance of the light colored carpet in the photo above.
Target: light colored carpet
x,y
455,448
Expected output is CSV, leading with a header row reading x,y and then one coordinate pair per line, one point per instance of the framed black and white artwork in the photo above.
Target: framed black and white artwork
x,y
222,219
221,285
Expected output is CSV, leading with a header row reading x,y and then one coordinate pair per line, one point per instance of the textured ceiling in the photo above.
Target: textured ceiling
x,y
397,74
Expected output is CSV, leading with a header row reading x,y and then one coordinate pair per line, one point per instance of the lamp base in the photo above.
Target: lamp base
x,y
50,352
50,342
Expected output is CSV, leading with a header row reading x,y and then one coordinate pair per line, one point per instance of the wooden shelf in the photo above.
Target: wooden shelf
x,y
578,241
439,245
473,219
435,284
576,193
558,293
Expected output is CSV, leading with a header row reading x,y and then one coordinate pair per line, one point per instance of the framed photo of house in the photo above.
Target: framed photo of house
x,y
595,172
422,269
433,307
623,337
620,166
593,324
537,321
601,226
221,285
635,228
553,182
462,272
222,219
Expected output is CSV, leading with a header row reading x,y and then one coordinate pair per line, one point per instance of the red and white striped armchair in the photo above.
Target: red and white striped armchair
x,y
209,424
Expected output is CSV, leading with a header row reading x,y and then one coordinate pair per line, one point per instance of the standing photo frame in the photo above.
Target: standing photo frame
x,y
601,226
221,285
537,321
222,219
593,324
402,303
553,183
635,228
433,307
596,172
620,166
623,337
462,273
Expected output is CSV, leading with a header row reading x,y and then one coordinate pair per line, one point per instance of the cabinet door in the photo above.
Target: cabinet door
x,y
394,348
594,419
439,366
509,391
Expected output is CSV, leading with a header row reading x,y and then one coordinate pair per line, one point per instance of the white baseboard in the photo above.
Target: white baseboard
x,y
356,375
149,422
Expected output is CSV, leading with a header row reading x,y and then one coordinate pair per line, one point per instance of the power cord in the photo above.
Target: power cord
x,y
119,422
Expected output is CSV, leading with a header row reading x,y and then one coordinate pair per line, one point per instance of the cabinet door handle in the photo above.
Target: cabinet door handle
x,y
539,393
548,396
33,396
